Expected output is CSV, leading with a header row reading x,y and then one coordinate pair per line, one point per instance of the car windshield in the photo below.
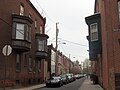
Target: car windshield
x,y
63,76
55,77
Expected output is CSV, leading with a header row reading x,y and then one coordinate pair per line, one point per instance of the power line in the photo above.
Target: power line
x,y
45,12
5,21
10,25
74,43
69,42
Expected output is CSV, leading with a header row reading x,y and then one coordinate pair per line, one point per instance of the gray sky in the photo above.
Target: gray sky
x,y
72,27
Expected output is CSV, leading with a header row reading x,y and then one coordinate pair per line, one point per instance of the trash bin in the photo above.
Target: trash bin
x,y
95,79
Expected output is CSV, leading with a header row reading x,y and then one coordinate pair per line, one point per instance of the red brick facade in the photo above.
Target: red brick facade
x,y
10,12
108,63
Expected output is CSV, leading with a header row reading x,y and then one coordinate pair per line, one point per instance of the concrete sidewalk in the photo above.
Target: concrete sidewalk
x,y
88,85
31,87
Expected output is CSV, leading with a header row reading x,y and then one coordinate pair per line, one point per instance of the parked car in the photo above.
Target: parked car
x,y
77,76
64,78
54,81
70,77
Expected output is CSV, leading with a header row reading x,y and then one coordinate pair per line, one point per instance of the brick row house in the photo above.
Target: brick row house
x,y
104,42
23,28
64,64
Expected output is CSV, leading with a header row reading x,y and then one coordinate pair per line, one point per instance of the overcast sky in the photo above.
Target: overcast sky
x,y
72,27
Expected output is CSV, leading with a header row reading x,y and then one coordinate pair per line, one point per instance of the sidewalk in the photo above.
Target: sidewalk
x,y
88,85
31,88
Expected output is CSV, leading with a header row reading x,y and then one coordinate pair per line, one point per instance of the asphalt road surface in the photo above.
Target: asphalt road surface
x,y
71,86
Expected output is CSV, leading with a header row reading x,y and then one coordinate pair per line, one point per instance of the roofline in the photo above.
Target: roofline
x,y
35,9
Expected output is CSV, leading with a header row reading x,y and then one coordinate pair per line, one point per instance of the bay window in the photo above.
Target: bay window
x,y
21,33
41,45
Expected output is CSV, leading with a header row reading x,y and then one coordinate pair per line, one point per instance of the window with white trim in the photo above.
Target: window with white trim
x,y
94,32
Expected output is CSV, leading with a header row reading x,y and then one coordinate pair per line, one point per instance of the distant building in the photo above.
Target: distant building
x,y
64,64
51,60
23,28
76,67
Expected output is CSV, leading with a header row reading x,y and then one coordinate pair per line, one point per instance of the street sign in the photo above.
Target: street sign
x,y
7,50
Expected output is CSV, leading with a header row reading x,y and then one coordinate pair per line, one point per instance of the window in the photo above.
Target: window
x,y
20,31
21,10
40,45
119,10
30,64
39,66
34,66
30,16
18,63
94,32
35,23
41,29
25,60
28,33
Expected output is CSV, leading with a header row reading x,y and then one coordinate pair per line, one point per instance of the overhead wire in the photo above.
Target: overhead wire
x,y
45,12
74,43
69,42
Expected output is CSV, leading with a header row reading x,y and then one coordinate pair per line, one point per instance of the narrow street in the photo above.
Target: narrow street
x,y
71,86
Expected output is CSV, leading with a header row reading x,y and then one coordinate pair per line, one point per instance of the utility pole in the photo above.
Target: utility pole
x,y
56,64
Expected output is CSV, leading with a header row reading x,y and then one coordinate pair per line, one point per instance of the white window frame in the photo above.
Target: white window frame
x,y
94,31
